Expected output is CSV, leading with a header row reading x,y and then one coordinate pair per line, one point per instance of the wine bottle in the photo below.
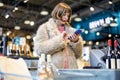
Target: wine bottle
x,y
118,60
108,58
10,50
42,71
117,53
113,60
27,53
22,51
17,50
14,50
50,68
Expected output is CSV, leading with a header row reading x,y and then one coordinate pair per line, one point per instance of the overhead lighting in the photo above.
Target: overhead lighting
x,y
1,4
44,12
7,16
25,1
26,22
78,19
109,35
32,23
84,42
114,22
15,9
90,43
8,33
98,33
110,2
97,43
92,9
86,32
104,25
17,27
74,15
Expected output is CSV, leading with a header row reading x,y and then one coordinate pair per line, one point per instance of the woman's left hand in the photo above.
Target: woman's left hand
x,y
74,37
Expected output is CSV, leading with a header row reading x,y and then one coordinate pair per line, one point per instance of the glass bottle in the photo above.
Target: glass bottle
x,y
42,71
17,50
108,58
22,51
50,68
117,53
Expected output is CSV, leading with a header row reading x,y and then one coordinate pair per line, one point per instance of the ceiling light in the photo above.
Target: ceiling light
x,y
26,22
90,42
44,12
32,23
8,33
1,4
7,16
113,23
78,19
84,42
116,35
104,25
109,35
25,1
17,27
74,15
110,2
97,43
16,8
86,32
98,33
92,9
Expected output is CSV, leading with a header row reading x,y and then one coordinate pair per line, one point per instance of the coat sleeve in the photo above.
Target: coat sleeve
x,y
42,43
77,47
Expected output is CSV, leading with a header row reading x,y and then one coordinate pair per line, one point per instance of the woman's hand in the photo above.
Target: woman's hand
x,y
74,37
65,37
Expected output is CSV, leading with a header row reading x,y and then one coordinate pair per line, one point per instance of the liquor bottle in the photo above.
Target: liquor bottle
x,y
50,68
118,60
113,60
22,51
10,50
27,53
14,50
42,71
17,50
117,53
108,58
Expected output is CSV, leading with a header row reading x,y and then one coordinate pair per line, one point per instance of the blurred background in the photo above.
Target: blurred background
x,y
98,19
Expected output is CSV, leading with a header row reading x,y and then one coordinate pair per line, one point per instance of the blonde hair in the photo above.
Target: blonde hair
x,y
60,11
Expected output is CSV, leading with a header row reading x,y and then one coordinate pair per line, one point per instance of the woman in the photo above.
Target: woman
x,y
56,37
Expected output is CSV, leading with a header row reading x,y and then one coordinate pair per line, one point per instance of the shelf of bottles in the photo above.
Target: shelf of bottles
x,y
15,47
113,54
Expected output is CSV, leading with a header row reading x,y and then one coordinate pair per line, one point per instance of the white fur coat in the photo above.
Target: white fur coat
x,y
48,40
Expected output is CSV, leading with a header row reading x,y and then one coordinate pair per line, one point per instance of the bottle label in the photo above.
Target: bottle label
x,y
118,63
112,63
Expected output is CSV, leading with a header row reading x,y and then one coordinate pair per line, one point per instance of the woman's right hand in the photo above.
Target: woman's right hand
x,y
65,36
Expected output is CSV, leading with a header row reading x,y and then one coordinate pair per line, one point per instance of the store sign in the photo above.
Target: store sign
x,y
99,23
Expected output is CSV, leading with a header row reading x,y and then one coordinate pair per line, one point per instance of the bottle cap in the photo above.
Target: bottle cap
x,y
109,42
